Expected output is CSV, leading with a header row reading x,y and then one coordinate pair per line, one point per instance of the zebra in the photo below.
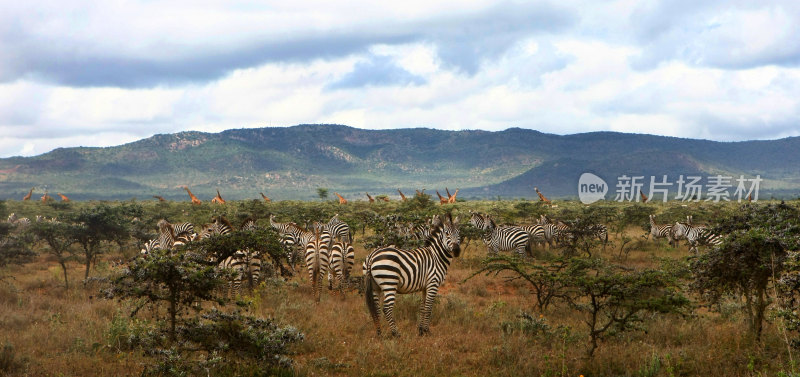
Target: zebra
x,y
18,221
291,236
661,231
166,235
601,232
552,232
317,257
339,230
246,264
696,235
184,232
341,263
503,238
390,270
485,223
536,233
479,221
149,246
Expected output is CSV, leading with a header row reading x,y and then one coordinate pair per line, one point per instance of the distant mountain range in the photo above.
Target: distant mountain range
x,y
292,162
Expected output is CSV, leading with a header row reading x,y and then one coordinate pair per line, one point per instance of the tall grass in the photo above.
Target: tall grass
x,y
477,327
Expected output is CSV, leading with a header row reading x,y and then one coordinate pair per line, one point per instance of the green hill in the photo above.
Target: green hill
x,y
292,162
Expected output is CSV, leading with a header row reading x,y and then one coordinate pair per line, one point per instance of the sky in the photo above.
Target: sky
x,y
78,73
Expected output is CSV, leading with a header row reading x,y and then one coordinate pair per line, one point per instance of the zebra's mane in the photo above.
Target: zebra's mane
x,y
249,219
222,219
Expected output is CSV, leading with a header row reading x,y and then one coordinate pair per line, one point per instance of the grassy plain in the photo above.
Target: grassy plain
x,y
477,328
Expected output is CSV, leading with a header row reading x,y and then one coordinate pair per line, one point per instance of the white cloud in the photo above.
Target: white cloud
x,y
719,70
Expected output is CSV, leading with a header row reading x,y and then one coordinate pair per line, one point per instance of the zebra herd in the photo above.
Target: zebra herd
x,y
522,239
695,235
246,264
327,249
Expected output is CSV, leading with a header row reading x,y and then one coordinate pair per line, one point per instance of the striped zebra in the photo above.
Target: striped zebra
x,y
18,221
696,235
341,263
166,238
245,264
149,246
536,233
339,230
291,238
317,257
505,238
479,221
389,271
184,232
166,235
661,230
552,232
601,232
250,260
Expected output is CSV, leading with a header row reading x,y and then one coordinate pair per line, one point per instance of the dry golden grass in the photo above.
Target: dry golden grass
x,y
64,333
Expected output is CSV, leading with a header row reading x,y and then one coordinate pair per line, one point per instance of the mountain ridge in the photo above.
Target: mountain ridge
x,y
292,162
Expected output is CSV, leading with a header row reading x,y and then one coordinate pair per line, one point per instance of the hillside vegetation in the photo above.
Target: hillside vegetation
x,y
292,162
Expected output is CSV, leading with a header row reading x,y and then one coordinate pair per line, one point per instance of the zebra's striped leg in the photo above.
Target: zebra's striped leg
x,y
371,294
425,310
521,251
388,308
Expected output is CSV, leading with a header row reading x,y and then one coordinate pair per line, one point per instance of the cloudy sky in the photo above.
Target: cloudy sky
x,y
117,71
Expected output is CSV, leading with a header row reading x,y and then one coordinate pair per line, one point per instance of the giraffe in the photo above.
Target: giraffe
x,y
28,197
421,193
266,199
218,199
370,198
452,198
46,197
403,197
341,199
64,198
384,198
160,198
542,198
644,197
442,199
750,197
194,198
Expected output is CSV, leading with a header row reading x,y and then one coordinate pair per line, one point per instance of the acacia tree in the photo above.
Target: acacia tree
x,y
15,242
613,298
544,278
322,193
96,226
208,342
752,256
59,237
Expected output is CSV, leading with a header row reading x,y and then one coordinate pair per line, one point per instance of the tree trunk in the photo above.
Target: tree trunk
x,y
761,305
64,268
88,265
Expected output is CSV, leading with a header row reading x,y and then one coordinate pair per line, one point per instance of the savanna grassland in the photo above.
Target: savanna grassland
x,y
482,325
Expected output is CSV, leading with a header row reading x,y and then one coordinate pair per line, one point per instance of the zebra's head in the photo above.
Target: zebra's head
x,y
447,233
679,230
206,231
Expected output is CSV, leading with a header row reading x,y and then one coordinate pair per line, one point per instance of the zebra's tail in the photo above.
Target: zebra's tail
x,y
369,297
316,281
